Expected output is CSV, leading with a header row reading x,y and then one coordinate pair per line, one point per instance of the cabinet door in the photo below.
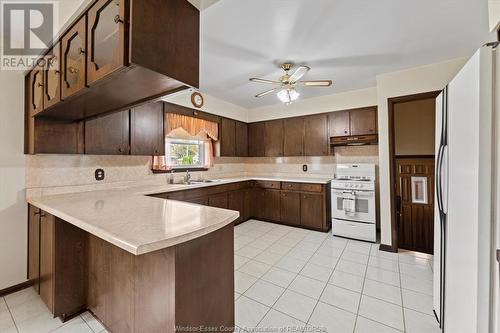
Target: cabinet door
x,y
35,91
316,135
47,259
363,121
338,124
256,140
108,135
52,77
73,59
259,203
241,139
236,201
293,141
228,138
146,130
248,200
290,208
272,205
311,210
218,200
106,38
34,245
274,138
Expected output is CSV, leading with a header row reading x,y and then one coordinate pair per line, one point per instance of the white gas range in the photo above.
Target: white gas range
x,y
353,202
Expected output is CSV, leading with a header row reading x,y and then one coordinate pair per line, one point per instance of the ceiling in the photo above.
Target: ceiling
x,y
348,41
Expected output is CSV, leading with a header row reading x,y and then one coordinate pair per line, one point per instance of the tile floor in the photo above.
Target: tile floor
x,y
295,278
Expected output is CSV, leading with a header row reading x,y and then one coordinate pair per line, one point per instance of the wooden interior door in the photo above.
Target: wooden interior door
x,y
415,213
106,38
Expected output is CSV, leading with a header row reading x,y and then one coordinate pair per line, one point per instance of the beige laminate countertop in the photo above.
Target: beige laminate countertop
x,y
135,222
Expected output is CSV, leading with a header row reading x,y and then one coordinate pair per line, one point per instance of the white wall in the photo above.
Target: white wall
x,y
212,105
12,172
334,102
407,82
13,210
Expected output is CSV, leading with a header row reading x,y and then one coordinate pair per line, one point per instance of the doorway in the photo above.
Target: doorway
x,y
412,159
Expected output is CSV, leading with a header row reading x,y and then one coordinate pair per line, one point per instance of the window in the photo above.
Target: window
x,y
184,153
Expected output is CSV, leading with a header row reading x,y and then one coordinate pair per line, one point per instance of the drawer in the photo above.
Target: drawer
x,y
291,186
311,188
268,184
355,230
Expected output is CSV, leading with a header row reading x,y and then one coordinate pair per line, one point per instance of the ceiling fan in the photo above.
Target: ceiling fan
x,y
286,84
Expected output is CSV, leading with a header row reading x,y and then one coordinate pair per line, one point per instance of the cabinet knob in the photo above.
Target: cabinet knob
x,y
39,85
120,149
81,50
345,132
118,19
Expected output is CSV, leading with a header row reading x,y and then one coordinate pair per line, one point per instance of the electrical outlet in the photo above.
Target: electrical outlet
x,y
99,174
304,168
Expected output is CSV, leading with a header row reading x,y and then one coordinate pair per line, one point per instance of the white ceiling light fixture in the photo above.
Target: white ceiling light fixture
x,y
286,91
288,95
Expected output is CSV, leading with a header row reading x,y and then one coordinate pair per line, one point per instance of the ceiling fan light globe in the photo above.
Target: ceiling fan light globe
x,y
294,94
283,96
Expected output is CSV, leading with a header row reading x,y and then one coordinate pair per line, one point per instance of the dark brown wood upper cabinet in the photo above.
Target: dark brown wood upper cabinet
x,y
316,135
290,208
227,137
293,141
106,38
108,135
52,77
338,124
241,139
274,138
35,91
73,47
312,210
363,121
256,140
146,130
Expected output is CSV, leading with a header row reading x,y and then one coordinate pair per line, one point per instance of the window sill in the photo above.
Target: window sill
x,y
176,170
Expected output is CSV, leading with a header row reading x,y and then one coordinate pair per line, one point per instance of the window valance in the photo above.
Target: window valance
x,y
193,126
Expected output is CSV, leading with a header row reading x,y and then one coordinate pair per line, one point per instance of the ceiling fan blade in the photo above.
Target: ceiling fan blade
x,y
267,92
299,73
254,79
319,83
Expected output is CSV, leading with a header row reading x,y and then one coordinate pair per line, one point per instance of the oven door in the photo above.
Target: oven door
x,y
353,205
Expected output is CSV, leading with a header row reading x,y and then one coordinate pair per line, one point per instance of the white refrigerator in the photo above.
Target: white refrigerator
x,y
464,191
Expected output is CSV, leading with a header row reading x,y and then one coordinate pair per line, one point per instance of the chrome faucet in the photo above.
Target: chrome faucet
x,y
187,178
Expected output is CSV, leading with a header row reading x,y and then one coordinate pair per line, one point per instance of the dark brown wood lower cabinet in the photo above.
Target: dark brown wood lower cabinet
x,y
272,205
312,210
236,201
290,208
34,245
218,200
296,204
47,259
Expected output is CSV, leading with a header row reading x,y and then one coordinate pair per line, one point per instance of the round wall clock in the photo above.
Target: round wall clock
x,y
197,99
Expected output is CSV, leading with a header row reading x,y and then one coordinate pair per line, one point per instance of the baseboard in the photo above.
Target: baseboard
x,y
17,287
387,248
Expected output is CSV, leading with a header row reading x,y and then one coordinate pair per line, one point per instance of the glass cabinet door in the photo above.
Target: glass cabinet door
x,y
105,38
36,90
52,77
73,57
